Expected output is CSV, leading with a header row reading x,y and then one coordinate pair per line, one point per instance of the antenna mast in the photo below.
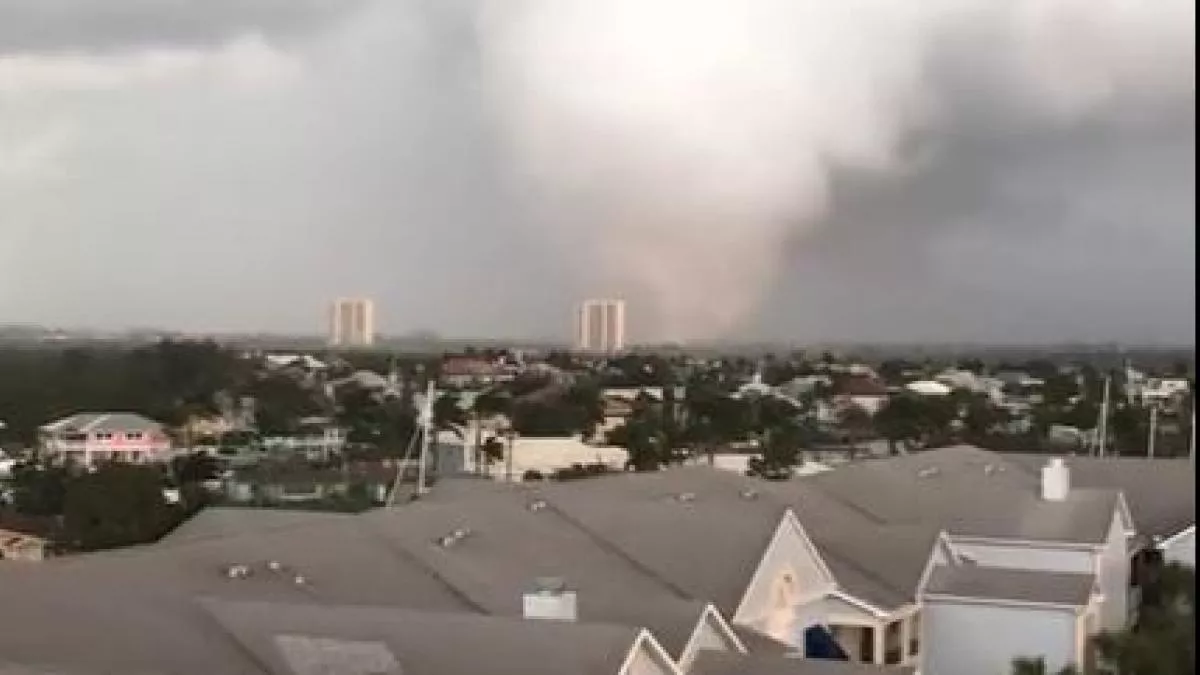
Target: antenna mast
x,y
426,429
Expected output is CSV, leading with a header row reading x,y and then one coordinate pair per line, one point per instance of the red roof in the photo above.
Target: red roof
x,y
461,365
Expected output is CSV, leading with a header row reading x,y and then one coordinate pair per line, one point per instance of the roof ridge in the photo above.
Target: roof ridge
x,y
404,554
609,546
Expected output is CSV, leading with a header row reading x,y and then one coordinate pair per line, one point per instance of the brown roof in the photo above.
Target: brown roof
x,y
860,386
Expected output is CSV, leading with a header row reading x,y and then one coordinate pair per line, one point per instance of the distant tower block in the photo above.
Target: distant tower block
x,y
600,326
352,323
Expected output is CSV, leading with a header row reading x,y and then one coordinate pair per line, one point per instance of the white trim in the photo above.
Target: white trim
x,y
996,602
1190,530
788,519
1027,543
942,539
1126,514
645,639
839,594
687,655
711,612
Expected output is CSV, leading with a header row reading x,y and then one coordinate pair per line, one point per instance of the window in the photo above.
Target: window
x,y
866,645
103,436
914,640
134,436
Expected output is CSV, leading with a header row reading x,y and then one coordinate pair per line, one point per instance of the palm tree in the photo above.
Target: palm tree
x,y
488,404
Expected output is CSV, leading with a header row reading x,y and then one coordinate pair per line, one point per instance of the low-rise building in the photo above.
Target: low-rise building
x,y
86,439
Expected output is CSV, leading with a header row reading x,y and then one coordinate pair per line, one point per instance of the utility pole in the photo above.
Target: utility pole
x,y
508,461
426,429
1153,431
1192,444
1103,426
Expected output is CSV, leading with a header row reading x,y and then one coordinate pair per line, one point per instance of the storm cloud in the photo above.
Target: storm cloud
x,y
233,165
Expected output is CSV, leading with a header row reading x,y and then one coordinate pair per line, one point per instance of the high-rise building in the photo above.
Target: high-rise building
x,y
600,326
352,323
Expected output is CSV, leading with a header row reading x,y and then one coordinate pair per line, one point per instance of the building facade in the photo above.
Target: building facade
x,y
600,326
87,439
352,323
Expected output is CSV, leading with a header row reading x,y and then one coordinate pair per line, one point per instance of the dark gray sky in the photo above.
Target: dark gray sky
x,y
236,164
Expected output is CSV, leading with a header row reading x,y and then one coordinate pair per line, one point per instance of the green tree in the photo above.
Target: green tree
x,y
40,491
855,423
116,505
196,467
1164,640
280,402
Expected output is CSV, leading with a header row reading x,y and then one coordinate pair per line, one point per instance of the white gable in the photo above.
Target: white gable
x,y
791,570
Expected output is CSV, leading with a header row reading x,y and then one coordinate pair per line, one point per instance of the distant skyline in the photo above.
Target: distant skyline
x,y
236,165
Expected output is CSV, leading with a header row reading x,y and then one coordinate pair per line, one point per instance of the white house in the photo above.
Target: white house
x,y
89,438
978,619
953,561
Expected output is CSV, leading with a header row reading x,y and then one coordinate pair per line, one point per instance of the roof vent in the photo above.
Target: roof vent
x,y
990,469
749,493
299,580
537,505
449,540
685,497
1056,480
275,566
237,571
550,599
928,472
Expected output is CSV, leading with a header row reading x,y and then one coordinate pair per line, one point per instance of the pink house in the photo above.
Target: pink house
x,y
90,438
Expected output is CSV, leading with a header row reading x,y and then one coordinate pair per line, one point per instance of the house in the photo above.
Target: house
x,y
862,391
1051,615
928,388
885,566
89,438
468,372
544,456
317,438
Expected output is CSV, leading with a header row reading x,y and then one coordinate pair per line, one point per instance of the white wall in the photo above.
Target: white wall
x,y
1112,575
708,636
1110,565
548,454
970,639
645,662
1182,550
788,553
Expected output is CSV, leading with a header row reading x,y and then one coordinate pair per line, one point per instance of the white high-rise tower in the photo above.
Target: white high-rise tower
x,y
600,326
352,323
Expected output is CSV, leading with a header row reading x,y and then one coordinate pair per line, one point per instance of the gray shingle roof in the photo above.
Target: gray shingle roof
x,y
510,546
708,547
226,521
429,643
881,564
100,422
133,611
994,583
721,663
1161,493
968,492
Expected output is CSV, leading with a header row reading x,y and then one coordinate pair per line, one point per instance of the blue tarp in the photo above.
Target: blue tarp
x,y
819,644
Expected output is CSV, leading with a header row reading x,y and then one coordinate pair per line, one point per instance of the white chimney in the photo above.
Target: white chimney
x,y
1056,480
550,600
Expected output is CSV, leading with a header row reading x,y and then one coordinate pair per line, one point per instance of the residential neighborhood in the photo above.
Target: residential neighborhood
x,y
694,516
